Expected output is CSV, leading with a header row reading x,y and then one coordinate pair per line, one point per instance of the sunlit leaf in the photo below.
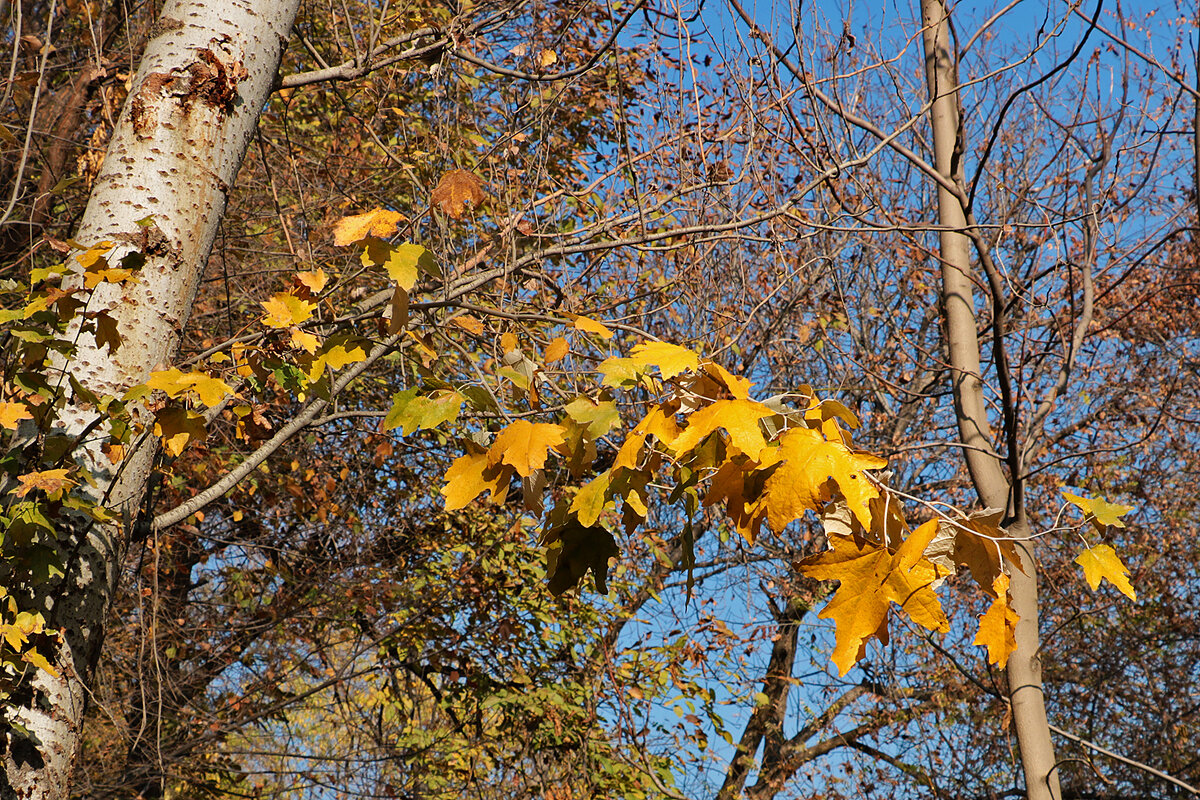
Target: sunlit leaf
x,y
1102,563
285,309
379,223
524,445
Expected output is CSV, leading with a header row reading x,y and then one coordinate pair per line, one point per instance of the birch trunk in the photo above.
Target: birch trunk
x,y
992,485
203,79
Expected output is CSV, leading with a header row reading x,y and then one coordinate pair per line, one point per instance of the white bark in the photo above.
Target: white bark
x,y
1026,691
194,105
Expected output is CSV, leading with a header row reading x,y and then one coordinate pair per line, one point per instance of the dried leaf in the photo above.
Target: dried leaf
x,y
458,192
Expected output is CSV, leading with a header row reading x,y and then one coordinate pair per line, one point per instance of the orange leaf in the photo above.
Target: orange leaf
x,y
809,463
469,324
525,445
315,280
872,577
50,481
556,350
998,626
12,413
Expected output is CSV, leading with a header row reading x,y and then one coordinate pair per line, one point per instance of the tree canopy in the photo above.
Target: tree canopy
x,y
512,399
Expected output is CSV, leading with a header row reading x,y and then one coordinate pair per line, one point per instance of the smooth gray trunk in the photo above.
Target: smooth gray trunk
x,y
992,485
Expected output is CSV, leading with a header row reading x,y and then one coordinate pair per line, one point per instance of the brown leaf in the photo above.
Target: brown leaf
x,y
457,192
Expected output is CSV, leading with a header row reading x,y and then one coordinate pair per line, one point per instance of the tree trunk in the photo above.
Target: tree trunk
x,y
986,467
177,148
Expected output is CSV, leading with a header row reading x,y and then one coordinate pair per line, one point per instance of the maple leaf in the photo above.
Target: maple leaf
x,y
573,549
998,626
872,577
671,359
976,542
303,340
808,463
12,413
1102,511
285,309
737,483
51,481
524,445
472,474
1102,563
314,281
589,501
468,324
177,427
739,418
598,417
411,412
403,262
210,390
379,223
457,192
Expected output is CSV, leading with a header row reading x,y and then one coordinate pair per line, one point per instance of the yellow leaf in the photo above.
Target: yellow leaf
x,y
998,626
210,390
738,417
471,475
871,579
977,542
734,484
524,445
50,481
619,371
738,387
379,223
286,309
1101,562
809,462
1106,513
303,340
403,262
12,413
589,500
588,325
547,58
38,660
178,427
469,324
556,350
508,342
457,192
671,359
315,280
